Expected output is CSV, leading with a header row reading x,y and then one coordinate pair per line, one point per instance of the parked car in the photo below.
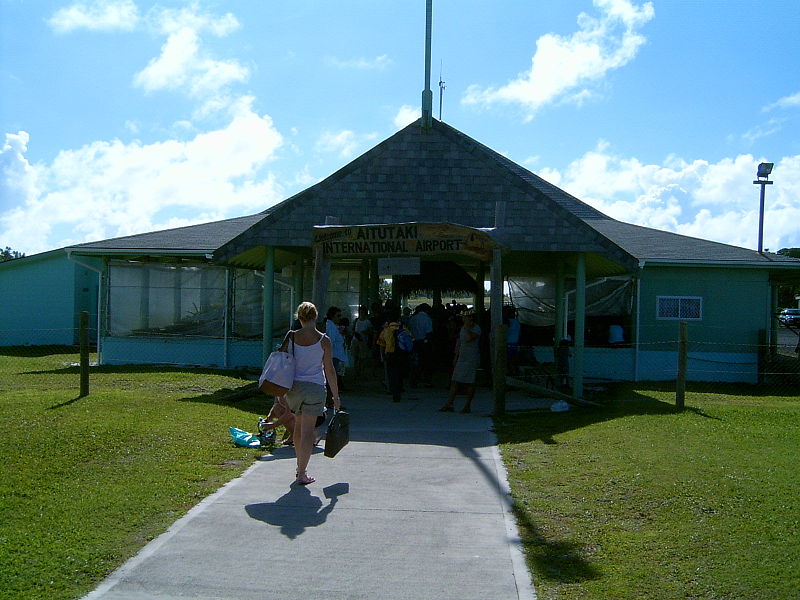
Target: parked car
x,y
789,316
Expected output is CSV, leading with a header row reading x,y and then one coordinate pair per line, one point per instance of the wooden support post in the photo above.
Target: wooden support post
x,y
298,275
559,329
268,305
374,283
580,326
480,294
680,380
363,285
84,345
322,272
496,309
500,369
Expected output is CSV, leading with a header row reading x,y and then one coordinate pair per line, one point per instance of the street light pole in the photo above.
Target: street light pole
x,y
764,169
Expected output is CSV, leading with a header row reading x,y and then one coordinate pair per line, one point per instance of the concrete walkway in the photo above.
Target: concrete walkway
x,y
416,506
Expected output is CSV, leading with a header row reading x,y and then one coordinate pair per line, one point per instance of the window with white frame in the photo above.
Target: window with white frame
x,y
683,308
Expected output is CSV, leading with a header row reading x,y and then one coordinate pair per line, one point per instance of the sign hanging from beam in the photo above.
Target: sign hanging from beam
x,y
403,239
401,265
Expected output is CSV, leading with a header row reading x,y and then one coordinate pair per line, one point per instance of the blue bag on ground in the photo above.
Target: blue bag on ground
x,y
338,434
243,438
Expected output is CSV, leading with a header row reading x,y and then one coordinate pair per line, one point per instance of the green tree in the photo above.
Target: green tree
x,y
9,254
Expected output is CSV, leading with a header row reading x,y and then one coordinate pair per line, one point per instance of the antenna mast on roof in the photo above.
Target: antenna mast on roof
x,y
427,94
441,90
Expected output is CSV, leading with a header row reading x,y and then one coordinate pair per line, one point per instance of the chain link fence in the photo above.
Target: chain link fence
x,y
775,365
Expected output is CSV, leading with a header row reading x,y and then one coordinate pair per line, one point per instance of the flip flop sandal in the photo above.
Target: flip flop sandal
x,y
304,479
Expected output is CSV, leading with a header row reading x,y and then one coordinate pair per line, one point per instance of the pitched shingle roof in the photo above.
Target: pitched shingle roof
x,y
196,239
434,175
655,245
437,174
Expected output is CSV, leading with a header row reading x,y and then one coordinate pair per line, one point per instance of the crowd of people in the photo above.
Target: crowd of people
x,y
404,347
397,346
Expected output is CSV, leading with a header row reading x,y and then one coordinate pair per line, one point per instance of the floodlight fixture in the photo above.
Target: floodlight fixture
x,y
764,169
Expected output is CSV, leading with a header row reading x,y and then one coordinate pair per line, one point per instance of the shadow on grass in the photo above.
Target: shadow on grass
x,y
37,351
557,560
246,398
617,402
66,403
125,369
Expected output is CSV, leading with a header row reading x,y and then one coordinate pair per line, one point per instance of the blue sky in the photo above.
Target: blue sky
x,y
127,116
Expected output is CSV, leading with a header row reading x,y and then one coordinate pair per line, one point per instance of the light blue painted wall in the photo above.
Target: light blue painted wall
x,y
615,364
181,351
41,297
735,304
723,345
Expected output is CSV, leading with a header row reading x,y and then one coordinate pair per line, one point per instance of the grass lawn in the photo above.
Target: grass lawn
x,y
628,501
636,500
86,482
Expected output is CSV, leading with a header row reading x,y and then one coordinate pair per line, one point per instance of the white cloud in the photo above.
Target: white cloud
x,y
761,131
379,63
18,176
169,21
108,189
564,69
406,115
345,142
785,102
184,66
100,15
715,201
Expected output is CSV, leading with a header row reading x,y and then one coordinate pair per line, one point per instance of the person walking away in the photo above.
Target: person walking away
x,y
313,352
465,362
360,346
421,327
334,333
395,358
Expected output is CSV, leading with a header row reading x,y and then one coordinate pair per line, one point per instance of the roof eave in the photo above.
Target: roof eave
x,y
736,264
139,252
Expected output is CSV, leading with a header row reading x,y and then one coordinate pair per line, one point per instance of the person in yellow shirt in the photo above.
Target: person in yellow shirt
x,y
395,357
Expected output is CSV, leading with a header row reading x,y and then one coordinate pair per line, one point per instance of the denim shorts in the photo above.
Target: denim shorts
x,y
306,398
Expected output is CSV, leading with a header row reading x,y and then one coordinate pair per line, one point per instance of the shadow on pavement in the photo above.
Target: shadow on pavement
x,y
297,510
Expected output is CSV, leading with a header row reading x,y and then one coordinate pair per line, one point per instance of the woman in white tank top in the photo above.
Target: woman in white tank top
x,y
313,368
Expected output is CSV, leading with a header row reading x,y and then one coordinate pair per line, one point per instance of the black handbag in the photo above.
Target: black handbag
x,y
338,434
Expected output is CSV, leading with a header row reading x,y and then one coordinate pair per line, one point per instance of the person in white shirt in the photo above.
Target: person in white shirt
x,y
421,327
334,332
313,356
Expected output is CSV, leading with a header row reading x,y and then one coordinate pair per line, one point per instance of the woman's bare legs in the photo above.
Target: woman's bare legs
x,y
304,444
470,395
448,406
